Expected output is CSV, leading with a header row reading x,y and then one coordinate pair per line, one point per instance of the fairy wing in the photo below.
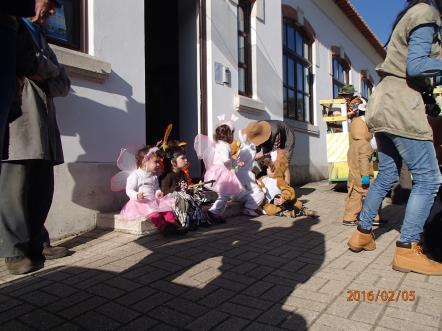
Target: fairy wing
x,y
204,148
118,181
127,164
126,160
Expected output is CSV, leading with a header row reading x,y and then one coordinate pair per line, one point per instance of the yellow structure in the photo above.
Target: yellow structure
x,y
438,95
335,116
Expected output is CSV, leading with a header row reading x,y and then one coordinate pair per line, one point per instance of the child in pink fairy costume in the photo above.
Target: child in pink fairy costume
x,y
219,166
146,198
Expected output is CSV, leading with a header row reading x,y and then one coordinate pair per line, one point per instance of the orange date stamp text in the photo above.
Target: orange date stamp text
x,y
381,295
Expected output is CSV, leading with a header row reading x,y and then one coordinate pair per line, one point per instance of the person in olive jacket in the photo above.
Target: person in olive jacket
x,y
396,114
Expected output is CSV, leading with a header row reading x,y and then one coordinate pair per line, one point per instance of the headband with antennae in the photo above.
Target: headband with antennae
x,y
230,123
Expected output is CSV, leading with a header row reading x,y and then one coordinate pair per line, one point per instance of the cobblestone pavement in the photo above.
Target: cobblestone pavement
x,y
268,273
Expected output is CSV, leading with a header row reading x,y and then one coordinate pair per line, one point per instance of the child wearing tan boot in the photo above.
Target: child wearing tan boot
x,y
280,197
360,166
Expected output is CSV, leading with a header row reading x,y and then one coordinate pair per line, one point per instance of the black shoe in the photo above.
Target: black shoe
x,y
181,231
215,219
349,223
167,228
19,265
54,252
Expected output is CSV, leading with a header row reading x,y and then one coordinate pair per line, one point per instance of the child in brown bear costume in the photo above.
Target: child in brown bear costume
x,y
360,175
280,197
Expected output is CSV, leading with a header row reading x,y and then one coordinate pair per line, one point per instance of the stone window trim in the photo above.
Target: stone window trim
x,y
290,13
244,104
82,65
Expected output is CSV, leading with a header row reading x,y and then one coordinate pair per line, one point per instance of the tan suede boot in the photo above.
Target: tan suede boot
x,y
362,240
409,257
311,213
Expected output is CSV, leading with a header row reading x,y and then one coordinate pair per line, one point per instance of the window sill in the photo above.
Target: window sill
x,y
249,105
82,65
302,126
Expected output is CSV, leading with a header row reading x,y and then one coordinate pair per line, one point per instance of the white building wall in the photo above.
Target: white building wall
x,y
267,52
96,120
332,28
221,48
267,61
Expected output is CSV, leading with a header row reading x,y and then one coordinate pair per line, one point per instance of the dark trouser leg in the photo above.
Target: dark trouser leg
x,y
14,227
45,237
7,78
40,195
26,191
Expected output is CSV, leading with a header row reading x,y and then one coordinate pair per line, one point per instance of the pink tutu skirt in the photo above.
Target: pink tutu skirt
x,y
226,182
144,208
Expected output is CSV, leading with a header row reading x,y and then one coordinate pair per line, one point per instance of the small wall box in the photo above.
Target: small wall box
x,y
223,76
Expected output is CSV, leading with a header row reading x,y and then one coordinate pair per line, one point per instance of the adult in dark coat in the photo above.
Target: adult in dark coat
x,y
9,10
271,135
27,179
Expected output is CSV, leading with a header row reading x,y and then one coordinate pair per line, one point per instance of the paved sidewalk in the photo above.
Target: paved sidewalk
x,y
268,273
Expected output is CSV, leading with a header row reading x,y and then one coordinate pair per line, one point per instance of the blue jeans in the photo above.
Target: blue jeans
x,y
420,158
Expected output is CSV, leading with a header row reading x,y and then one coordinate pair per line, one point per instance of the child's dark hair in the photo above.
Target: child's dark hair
x,y
141,153
223,133
171,155
267,162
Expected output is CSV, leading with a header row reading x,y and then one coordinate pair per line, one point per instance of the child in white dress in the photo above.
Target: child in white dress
x,y
251,195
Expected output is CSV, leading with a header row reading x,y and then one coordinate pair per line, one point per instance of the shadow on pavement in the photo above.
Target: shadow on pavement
x,y
236,276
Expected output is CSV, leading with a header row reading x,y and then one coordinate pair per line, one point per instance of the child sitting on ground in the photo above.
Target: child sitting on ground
x,y
280,197
146,198
189,198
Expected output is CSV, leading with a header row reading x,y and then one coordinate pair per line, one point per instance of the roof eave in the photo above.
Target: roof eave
x,y
352,14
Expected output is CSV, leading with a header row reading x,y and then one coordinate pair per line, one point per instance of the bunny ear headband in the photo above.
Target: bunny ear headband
x,y
222,121
150,153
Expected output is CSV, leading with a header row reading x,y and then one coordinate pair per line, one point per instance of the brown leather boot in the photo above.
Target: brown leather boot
x,y
362,240
410,257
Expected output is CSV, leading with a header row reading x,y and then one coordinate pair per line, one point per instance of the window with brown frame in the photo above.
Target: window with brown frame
x,y
244,49
340,74
68,27
297,71
366,87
